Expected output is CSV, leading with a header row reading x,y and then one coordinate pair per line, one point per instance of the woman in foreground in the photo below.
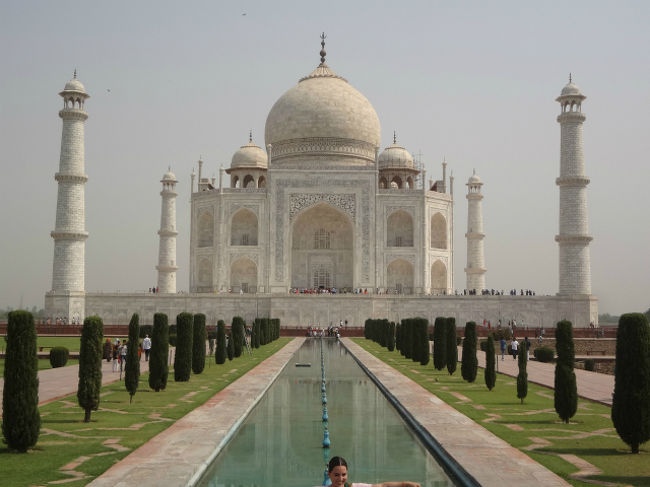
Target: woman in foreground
x,y
337,471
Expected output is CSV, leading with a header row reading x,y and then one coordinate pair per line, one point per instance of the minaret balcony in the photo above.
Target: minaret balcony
x,y
575,239
70,178
63,235
572,181
167,233
73,114
576,117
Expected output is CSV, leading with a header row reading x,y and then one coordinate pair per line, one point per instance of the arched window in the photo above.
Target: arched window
x,y
409,183
261,183
235,182
396,182
399,229
206,229
383,183
243,228
438,231
399,277
321,239
205,272
438,277
249,181
243,276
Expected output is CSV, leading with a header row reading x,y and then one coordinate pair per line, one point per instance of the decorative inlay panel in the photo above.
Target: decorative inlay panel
x,y
344,202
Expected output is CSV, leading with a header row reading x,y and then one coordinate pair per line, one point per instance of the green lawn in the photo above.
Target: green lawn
x,y
118,427
533,427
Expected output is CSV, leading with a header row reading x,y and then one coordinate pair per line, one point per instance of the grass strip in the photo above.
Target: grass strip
x,y
68,448
534,427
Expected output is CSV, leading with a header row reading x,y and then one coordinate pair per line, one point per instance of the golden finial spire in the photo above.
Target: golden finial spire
x,y
322,50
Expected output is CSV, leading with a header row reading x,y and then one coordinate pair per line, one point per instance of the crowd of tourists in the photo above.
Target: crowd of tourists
x,y
116,350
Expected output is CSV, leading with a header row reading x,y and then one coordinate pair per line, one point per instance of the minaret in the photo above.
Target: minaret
x,y
66,299
475,270
167,250
574,238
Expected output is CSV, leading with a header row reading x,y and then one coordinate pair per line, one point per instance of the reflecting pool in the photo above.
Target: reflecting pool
x,y
280,443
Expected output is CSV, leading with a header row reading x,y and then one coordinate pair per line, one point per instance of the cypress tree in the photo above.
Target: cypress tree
x,y
439,343
391,336
451,348
631,406
398,338
198,343
258,332
220,354
21,420
158,368
469,364
184,338
490,373
132,373
407,334
522,378
423,340
566,389
230,348
237,335
90,365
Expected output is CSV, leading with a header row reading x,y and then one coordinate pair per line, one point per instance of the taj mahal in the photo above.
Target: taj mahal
x,y
321,225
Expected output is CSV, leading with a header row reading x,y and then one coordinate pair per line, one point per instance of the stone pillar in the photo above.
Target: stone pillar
x,y
167,250
574,238
475,270
66,299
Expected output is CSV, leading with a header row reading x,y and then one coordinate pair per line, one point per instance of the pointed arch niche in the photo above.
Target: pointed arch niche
x,y
399,229
322,245
399,276
438,277
438,231
206,229
243,228
243,276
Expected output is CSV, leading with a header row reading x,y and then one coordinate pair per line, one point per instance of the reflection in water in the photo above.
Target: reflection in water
x,y
279,444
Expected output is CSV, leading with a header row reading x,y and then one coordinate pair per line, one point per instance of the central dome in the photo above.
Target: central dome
x,y
323,115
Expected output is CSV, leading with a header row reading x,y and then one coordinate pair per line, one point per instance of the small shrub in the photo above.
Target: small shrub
x,y
59,357
544,354
590,364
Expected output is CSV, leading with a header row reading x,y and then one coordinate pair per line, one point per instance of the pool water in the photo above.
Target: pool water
x,y
280,443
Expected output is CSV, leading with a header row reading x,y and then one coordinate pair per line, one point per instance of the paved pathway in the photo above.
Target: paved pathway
x,y
591,385
57,383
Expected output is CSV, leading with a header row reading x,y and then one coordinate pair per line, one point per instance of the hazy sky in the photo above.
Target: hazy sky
x,y
474,82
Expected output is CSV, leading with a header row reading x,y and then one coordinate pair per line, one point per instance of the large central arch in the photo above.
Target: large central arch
x,y
322,247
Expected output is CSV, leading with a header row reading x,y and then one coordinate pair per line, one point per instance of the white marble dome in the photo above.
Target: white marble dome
x,y
169,176
323,113
474,179
395,157
249,155
75,85
571,89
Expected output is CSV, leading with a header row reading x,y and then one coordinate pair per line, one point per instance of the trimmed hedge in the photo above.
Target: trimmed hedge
x,y
544,354
490,373
522,377
237,335
59,356
451,352
21,419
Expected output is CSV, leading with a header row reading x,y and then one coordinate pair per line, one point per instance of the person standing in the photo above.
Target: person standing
x,y
514,344
502,343
527,341
146,346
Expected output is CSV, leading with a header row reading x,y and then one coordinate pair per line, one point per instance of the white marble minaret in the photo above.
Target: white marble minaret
x,y
167,251
66,299
475,270
574,238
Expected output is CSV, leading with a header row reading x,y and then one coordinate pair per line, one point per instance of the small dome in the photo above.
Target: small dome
x,y
74,85
249,155
571,89
169,176
474,179
395,157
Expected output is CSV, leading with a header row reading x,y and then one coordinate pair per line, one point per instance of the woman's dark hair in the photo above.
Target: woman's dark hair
x,y
337,462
